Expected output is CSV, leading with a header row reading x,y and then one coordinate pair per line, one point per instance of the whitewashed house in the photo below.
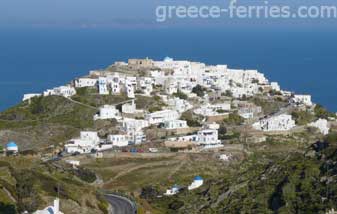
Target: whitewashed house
x,y
275,86
283,122
171,86
213,110
30,96
175,124
103,86
322,125
302,100
179,105
173,191
64,91
130,108
249,111
85,82
115,84
162,116
129,89
145,85
197,182
208,138
133,128
55,209
107,112
118,140
85,144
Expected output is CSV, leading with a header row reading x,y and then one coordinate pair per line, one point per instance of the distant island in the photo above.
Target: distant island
x,y
169,136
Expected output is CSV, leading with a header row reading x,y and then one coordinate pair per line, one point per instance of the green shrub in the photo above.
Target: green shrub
x,y
199,90
180,95
234,119
302,117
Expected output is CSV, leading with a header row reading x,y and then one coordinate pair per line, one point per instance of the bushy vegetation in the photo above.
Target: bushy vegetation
x,y
191,119
234,119
29,181
303,117
322,112
267,183
150,104
180,95
199,90
269,106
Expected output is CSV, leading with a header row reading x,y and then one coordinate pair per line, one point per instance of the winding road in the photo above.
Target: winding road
x,y
120,205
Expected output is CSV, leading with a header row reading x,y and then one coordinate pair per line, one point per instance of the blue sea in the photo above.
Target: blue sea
x,y
301,60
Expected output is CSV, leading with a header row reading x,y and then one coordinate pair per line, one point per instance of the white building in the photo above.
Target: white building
x,y
55,209
162,116
302,100
85,82
322,125
133,128
283,122
65,91
12,148
130,108
173,191
145,85
225,157
107,112
130,91
175,124
208,137
85,144
213,110
275,86
249,111
171,86
103,86
74,163
179,105
197,182
30,96
115,84
118,140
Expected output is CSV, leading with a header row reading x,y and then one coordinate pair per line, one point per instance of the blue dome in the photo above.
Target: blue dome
x,y
198,178
11,144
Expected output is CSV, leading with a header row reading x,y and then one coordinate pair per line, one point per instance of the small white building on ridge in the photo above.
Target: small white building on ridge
x,y
197,182
322,125
107,112
162,116
175,124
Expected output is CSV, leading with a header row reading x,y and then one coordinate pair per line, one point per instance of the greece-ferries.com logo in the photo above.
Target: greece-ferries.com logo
x,y
263,9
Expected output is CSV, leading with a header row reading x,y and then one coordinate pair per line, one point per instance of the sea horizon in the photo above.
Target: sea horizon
x,y
35,59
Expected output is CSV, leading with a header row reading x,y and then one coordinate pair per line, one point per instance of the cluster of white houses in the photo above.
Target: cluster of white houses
x,y
173,77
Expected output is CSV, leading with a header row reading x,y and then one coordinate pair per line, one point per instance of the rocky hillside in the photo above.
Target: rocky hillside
x,y
52,120
286,182
27,184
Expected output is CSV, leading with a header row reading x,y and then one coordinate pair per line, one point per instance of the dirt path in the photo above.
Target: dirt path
x,y
127,171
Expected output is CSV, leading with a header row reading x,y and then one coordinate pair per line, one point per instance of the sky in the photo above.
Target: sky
x,y
120,13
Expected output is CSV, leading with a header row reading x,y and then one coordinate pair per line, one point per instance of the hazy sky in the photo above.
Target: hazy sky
x,y
107,12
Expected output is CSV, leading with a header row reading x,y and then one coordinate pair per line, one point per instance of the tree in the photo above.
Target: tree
x,y
321,112
199,90
234,119
180,95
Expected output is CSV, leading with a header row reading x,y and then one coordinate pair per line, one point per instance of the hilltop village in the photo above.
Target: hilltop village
x,y
172,136
198,105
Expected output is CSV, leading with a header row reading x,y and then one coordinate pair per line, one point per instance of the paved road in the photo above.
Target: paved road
x,y
120,205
